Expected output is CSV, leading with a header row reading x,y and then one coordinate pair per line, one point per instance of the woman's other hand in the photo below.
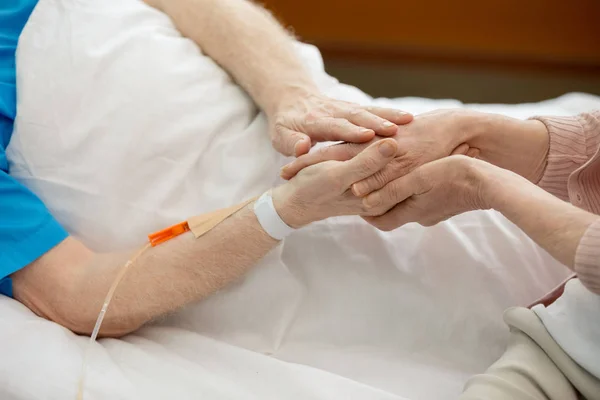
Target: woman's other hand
x,y
433,193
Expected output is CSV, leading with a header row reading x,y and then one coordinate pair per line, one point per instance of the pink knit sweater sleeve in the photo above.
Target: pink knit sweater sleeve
x,y
573,141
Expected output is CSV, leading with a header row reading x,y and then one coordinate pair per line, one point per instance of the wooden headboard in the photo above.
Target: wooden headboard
x,y
547,33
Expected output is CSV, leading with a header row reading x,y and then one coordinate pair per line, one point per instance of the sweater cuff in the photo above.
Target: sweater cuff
x,y
587,258
567,152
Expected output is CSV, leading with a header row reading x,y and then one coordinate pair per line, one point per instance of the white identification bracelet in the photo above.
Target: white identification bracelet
x,y
268,218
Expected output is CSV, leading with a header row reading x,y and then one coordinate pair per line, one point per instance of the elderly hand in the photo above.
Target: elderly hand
x,y
432,193
520,146
305,118
323,190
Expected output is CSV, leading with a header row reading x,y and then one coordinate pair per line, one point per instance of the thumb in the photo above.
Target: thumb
x,y
291,143
368,162
466,150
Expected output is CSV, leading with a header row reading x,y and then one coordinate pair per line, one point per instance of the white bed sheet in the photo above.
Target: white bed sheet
x,y
338,311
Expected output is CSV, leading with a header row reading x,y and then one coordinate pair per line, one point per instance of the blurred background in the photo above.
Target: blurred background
x,y
499,51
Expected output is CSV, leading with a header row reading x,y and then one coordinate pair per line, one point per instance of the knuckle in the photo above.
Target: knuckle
x,y
340,125
391,192
379,179
312,117
364,210
420,179
279,125
330,124
368,165
330,107
274,140
355,111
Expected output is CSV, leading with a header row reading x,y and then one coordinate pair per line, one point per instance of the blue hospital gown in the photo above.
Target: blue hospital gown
x,y
27,230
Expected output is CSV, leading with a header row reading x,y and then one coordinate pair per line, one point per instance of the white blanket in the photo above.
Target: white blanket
x,y
125,127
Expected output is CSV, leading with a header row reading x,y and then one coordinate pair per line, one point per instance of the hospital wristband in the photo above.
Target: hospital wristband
x,y
269,219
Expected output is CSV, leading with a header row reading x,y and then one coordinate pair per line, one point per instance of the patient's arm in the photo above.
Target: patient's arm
x,y
68,284
246,41
249,43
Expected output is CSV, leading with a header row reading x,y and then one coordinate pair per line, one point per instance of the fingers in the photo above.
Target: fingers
x,y
473,152
364,118
465,150
368,162
462,149
289,142
334,129
393,193
396,116
395,169
338,152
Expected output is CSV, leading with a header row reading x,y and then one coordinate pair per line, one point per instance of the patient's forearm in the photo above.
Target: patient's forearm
x,y
245,40
68,285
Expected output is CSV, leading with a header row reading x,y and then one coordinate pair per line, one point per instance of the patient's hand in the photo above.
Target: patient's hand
x,y
434,192
305,118
520,146
323,190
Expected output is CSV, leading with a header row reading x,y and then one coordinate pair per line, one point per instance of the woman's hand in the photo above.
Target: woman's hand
x,y
519,146
303,119
323,190
432,193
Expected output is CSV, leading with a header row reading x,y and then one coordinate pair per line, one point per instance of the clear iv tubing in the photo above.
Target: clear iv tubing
x,y
107,300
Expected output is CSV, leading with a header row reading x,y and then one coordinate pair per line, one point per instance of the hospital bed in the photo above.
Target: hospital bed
x,y
125,127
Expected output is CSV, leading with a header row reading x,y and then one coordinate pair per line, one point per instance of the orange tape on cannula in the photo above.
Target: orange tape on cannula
x,y
169,233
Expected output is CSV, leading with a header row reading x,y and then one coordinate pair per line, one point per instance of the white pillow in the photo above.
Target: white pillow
x,y
109,89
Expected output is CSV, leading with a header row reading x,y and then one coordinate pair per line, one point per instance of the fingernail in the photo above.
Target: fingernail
x,y
372,200
366,131
388,124
386,149
359,188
